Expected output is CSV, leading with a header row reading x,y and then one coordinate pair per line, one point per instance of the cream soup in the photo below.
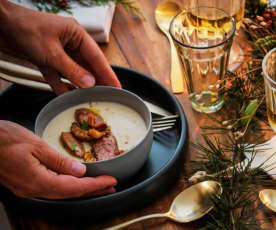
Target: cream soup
x,y
126,124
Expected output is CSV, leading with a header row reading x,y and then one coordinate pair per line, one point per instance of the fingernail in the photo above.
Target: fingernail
x,y
78,168
114,182
87,81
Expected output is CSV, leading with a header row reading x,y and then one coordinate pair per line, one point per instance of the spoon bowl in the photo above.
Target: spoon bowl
x,y
268,198
194,202
189,205
164,13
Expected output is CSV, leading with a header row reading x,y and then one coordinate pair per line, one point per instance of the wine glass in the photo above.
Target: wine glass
x,y
269,73
235,8
203,38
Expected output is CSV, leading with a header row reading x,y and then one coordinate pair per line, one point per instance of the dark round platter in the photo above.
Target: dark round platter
x,y
21,105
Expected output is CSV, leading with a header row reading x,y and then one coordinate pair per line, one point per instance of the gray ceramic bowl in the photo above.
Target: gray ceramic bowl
x,y
123,166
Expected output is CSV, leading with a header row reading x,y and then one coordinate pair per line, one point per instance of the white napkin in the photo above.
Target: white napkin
x,y
96,19
265,157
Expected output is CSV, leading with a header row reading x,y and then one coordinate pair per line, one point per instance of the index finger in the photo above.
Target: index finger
x,y
97,62
66,186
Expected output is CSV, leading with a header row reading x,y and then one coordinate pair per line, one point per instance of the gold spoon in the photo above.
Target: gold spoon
x,y
268,198
164,13
189,205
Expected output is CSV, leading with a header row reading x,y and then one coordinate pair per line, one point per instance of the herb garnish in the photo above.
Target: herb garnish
x,y
84,125
74,146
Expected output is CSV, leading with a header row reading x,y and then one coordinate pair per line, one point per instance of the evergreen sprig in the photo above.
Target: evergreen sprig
x,y
56,6
236,208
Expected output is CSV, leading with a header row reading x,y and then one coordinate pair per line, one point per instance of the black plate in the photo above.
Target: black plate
x,y
22,105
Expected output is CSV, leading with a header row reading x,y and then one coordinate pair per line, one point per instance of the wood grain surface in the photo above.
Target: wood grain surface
x,y
137,44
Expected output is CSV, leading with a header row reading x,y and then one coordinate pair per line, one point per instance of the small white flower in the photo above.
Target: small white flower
x,y
198,96
225,122
198,175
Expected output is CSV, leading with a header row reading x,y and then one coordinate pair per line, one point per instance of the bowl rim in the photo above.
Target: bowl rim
x,y
76,91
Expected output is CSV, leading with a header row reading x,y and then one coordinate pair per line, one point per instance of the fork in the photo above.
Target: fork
x,y
164,123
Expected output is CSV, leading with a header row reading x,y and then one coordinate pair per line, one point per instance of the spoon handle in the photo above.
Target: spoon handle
x,y
176,71
136,220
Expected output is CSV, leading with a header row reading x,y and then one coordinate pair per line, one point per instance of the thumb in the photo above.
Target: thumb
x,y
59,163
63,64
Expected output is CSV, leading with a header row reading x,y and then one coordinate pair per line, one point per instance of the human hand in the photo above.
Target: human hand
x,y
57,45
29,167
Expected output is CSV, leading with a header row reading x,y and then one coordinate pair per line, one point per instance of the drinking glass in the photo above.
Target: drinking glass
x,y
234,8
203,37
269,73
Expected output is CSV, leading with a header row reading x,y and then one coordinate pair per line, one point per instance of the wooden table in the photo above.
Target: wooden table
x,y
137,44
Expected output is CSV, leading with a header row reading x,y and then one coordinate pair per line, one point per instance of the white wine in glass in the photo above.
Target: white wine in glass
x,y
203,38
269,73
235,8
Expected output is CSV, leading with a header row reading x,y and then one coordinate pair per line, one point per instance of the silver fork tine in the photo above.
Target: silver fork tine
x,y
164,121
165,118
162,125
161,129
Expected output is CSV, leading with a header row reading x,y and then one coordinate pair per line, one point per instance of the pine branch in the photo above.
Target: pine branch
x,y
236,208
56,6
